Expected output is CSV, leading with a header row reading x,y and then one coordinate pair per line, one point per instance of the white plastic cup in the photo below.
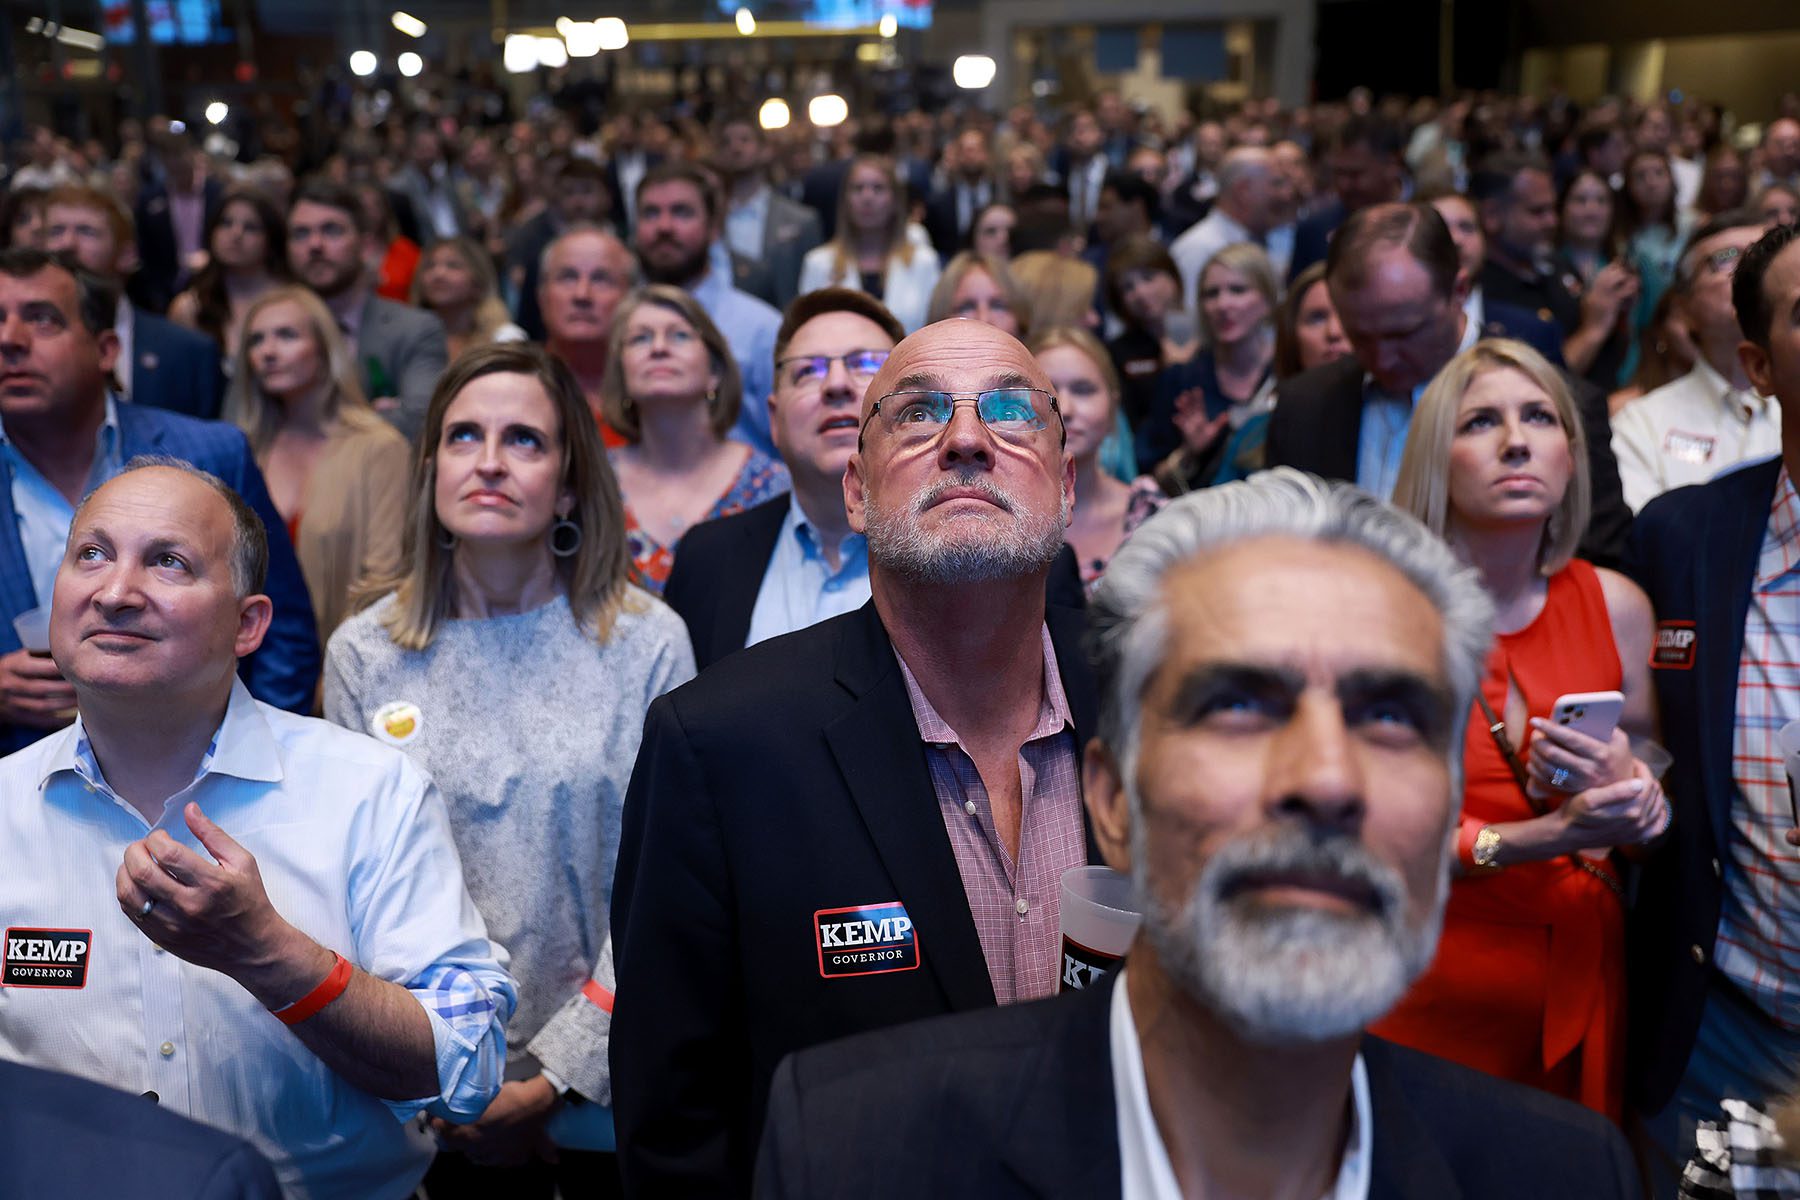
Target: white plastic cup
x,y
33,628
1098,921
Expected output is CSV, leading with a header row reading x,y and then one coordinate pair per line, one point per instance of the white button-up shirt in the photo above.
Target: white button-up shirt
x,y
354,848
1145,1170
1690,430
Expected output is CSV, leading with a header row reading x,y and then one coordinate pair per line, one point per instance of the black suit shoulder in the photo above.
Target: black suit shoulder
x,y
60,1135
1317,420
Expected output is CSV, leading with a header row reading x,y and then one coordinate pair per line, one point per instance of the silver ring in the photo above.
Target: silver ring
x,y
1559,777
145,911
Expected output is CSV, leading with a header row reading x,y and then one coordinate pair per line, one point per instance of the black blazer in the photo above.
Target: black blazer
x,y
63,1136
173,367
783,782
1694,550
1018,1102
153,285
1317,427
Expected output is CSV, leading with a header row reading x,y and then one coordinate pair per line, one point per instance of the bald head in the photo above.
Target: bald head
x,y
956,356
1253,189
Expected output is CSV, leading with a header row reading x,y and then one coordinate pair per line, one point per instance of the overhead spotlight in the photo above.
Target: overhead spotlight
x,y
519,53
827,110
552,52
363,62
613,34
890,25
216,112
746,22
410,64
408,24
581,37
774,114
973,71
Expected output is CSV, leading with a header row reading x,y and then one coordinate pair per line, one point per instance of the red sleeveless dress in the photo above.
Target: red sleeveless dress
x,y
1529,979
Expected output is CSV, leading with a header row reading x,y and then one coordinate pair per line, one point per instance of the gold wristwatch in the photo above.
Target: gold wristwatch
x,y
1486,848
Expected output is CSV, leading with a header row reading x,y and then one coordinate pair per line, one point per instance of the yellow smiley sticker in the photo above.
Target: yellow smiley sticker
x,y
397,722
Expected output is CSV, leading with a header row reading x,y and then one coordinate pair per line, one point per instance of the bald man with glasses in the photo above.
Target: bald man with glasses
x,y
865,822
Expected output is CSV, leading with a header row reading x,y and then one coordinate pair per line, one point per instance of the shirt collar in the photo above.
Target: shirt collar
x,y
1053,704
106,438
797,527
242,746
1778,553
1147,1173
1739,405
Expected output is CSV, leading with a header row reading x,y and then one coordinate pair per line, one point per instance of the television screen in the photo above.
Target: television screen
x,y
836,14
172,22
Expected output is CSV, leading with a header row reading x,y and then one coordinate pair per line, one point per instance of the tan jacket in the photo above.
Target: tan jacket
x,y
355,509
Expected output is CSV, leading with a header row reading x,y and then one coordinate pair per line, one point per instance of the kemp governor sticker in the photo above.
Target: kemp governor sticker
x,y
397,722
45,958
865,939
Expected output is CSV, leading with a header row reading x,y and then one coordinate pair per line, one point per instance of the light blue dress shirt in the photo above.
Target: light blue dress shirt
x,y
800,588
45,514
749,326
354,848
1381,441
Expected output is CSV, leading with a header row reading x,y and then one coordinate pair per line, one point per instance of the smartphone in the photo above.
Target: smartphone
x,y
1594,713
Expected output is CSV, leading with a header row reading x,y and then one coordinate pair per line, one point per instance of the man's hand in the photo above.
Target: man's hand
x,y
1612,291
512,1131
217,914
33,692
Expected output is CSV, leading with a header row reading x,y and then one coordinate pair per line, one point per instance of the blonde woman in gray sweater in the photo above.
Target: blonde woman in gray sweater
x,y
514,661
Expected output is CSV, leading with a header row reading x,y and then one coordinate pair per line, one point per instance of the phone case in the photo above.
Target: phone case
x,y
1595,714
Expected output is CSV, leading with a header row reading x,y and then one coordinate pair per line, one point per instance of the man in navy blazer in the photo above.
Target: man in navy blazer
x,y
1396,282
1285,670
63,435
791,791
1711,955
63,1136
160,363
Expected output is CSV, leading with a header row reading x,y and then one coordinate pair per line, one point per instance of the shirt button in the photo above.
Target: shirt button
x,y
969,807
1717,874
1021,906
1698,953
167,1049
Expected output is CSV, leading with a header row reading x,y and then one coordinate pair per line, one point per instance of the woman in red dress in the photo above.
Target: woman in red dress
x,y
1529,979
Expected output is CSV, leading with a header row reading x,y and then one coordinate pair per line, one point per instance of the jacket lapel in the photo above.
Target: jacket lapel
x,y
1067,628
739,588
1064,1136
16,593
1724,575
877,748
1407,1164
1338,435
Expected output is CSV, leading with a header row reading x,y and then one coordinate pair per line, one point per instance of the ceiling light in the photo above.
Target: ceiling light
x,y
746,22
827,110
613,34
363,62
520,53
552,52
410,64
408,24
890,25
216,112
581,37
973,71
774,114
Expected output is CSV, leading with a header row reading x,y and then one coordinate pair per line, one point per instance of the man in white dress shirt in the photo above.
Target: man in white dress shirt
x,y
1285,669
1710,419
256,919
1256,204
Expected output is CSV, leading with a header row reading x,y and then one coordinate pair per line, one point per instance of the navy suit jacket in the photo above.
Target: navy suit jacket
x,y
285,671
173,367
62,1136
1509,320
1018,1102
719,569
1694,550
784,782
1312,238
153,285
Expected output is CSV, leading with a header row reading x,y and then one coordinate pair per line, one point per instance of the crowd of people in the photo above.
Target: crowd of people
x,y
684,532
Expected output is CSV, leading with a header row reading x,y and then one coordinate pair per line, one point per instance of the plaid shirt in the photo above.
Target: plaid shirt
x,y
1014,903
1759,930
1739,1157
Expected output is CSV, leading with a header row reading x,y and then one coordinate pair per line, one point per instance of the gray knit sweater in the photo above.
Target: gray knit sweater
x,y
530,730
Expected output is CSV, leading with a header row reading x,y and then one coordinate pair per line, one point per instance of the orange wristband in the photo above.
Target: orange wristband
x,y
329,989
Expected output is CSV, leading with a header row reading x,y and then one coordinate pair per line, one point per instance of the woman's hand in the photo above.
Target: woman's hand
x,y
1627,813
1198,431
1561,759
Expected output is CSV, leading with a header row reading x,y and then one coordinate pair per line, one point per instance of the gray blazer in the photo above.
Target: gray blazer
x,y
408,346
791,230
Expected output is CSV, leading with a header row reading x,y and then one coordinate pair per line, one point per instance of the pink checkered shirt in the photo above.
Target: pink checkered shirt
x,y
1759,930
1014,904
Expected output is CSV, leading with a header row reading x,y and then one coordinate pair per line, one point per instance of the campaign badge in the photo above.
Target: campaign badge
x,y
1694,448
397,722
45,958
865,939
1675,644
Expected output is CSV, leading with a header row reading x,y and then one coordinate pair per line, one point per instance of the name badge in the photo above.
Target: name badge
x,y
45,958
865,939
1675,645
1693,448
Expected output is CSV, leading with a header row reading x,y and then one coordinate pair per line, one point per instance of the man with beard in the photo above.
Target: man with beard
x,y
678,219
400,351
866,821
1285,667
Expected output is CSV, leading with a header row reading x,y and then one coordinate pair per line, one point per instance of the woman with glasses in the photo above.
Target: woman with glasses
x,y
873,250
672,392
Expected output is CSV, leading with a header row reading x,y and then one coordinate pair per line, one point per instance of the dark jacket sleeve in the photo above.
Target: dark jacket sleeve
x,y
1609,517
285,670
680,1065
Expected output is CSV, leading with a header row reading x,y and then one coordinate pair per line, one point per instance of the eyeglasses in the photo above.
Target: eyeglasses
x,y
1013,413
809,371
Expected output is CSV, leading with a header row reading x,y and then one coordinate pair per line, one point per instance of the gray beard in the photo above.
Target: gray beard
x,y
1002,544
1285,976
